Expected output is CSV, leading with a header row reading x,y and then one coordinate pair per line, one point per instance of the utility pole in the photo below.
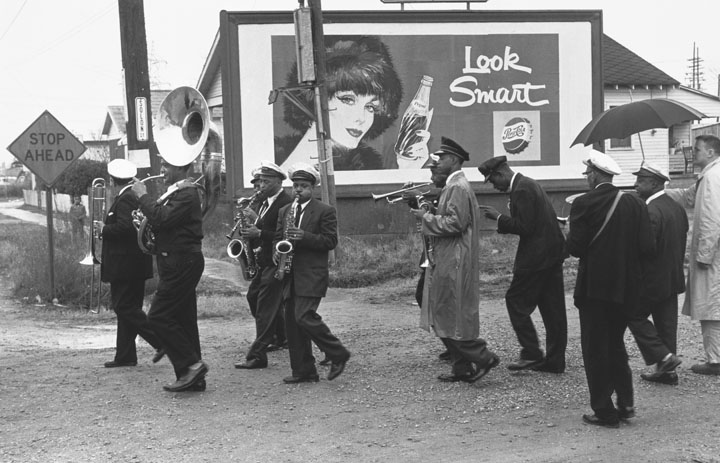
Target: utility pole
x,y
696,74
133,43
322,124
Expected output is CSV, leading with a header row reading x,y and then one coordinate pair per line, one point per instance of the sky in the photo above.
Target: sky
x,y
65,56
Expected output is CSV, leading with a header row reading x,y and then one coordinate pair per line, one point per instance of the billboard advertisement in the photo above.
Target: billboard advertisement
x,y
518,84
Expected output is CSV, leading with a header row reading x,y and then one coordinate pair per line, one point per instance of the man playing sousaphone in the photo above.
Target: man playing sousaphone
x,y
176,220
264,294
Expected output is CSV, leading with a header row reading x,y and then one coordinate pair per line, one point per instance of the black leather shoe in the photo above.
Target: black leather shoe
x,y
336,368
450,378
114,364
625,413
662,378
252,364
189,379
445,355
606,423
482,371
546,368
159,354
523,364
669,364
200,386
301,379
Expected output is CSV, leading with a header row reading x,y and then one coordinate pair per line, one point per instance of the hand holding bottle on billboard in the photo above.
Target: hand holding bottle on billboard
x,y
411,145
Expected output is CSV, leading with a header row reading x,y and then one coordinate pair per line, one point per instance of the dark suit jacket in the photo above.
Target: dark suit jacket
x,y
310,255
122,259
610,267
533,218
663,272
267,224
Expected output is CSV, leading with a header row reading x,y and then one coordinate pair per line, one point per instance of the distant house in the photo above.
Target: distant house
x,y
627,77
113,135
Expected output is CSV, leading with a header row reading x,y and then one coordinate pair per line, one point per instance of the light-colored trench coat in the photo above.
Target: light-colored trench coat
x,y
702,298
451,294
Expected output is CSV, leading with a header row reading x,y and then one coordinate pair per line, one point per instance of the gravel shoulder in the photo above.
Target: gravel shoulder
x,y
60,405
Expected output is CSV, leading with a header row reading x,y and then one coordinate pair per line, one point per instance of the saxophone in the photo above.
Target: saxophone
x,y
284,248
239,248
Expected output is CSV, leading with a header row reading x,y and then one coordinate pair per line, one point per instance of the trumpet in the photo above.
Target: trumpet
x,y
399,193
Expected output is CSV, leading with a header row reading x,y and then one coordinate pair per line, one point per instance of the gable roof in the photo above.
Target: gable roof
x,y
115,116
623,67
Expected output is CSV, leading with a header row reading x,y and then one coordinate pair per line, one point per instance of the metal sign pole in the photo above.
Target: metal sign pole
x,y
51,248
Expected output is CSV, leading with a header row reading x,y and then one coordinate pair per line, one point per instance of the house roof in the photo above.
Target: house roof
x,y
623,67
115,116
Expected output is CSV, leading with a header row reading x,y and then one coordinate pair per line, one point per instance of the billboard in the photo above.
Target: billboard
x,y
519,84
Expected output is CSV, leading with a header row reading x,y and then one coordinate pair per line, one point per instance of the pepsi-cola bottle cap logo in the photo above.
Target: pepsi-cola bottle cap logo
x,y
516,135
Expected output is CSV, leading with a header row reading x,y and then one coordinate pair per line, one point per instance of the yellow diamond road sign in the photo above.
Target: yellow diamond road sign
x,y
47,148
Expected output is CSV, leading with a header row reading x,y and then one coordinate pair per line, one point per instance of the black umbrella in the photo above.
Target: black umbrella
x,y
625,120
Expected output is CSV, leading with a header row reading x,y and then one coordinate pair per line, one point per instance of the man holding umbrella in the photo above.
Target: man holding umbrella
x,y
663,277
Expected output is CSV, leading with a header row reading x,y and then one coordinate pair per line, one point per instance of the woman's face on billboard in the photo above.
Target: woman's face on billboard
x,y
351,116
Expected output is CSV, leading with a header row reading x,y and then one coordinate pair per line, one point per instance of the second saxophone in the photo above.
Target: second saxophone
x,y
284,248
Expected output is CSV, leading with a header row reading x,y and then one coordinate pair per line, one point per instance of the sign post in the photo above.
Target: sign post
x,y
47,148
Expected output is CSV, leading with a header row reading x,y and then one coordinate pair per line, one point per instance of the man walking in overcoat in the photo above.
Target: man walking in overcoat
x,y
702,299
451,294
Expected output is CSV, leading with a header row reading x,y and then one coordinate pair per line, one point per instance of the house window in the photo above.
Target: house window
x,y
620,143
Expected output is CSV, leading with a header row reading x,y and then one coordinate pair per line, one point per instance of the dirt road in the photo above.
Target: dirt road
x,y
60,405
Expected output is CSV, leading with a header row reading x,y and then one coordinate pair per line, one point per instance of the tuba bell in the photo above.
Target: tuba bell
x,y
183,127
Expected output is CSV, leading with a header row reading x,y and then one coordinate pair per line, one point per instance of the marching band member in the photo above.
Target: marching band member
x,y
126,268
451,294
311,227
176,219
265,291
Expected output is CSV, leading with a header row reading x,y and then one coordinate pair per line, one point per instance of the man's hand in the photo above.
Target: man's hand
x,y
139,188
295,234
418,213
250,232
490,212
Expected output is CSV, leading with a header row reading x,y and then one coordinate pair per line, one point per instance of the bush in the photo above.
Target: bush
x,y
78,177
12,190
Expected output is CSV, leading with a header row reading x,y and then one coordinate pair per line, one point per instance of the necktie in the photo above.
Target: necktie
x,y
298,211
263,208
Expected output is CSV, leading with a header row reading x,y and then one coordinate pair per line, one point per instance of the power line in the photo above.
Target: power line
x,y
13,20
70,33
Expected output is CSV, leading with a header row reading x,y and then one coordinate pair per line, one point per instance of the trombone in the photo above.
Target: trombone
x,y
399,193
96,203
